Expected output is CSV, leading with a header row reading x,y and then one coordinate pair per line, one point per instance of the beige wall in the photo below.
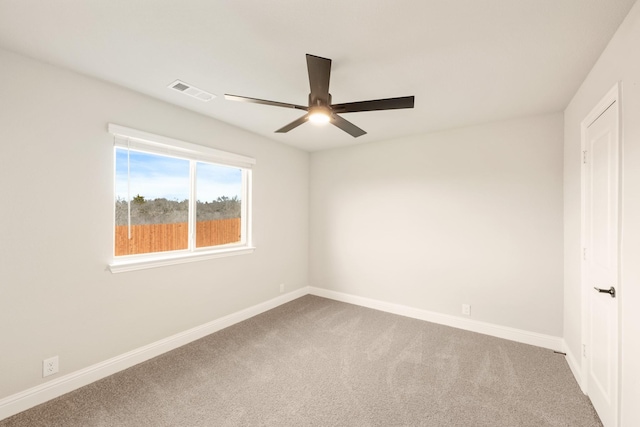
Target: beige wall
x,y
472,216
620,62
56,170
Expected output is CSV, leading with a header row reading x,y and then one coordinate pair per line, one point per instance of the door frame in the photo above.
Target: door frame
x,y
613,96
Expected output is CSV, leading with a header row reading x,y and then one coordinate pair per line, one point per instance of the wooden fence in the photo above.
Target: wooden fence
x,y
171,237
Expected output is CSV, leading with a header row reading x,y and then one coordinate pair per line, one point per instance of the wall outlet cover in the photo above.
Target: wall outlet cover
x,y
50,366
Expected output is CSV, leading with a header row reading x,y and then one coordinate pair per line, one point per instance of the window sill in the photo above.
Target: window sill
x,y
159,260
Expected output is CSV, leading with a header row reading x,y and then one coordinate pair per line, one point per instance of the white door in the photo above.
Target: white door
x,y
601,187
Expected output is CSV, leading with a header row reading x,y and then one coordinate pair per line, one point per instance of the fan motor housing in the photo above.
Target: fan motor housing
x,y
319,102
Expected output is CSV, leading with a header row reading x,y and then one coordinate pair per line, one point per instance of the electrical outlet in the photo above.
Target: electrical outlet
x,y
466,309
49,366
281,287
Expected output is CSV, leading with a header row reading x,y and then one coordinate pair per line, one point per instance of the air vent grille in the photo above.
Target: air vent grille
x,y
180,87
191,90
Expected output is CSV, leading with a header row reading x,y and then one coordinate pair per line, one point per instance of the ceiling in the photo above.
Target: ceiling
x,y
466,61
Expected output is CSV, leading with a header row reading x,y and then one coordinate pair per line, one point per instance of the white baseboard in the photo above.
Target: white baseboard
x,y
29,398
518,335
576,368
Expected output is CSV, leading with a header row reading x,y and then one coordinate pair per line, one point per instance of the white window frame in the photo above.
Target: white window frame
x,y
134,139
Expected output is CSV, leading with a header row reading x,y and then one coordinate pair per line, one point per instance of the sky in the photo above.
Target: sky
x,y
154,176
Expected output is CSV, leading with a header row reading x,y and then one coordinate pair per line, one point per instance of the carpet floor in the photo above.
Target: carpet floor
x,y
319,362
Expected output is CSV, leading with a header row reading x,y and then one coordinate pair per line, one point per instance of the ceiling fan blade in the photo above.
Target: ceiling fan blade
x,y
263,101
319,74
346,126
377,104
294,124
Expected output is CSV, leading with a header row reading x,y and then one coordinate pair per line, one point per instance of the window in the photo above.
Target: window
x,y
176,202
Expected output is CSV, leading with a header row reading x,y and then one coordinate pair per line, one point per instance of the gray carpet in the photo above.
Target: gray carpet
x,y
318,362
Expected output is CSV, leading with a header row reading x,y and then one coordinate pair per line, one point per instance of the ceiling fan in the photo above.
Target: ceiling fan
x,y
320,109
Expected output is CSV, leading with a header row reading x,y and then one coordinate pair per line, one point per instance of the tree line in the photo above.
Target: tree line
x,y
164,211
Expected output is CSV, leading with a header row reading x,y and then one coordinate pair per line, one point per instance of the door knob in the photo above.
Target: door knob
x,y
611,291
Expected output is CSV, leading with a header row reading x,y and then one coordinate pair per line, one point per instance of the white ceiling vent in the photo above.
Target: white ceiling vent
x,y
190,90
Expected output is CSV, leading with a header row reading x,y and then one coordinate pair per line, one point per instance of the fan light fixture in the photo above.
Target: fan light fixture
x,y
319,116
320,109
